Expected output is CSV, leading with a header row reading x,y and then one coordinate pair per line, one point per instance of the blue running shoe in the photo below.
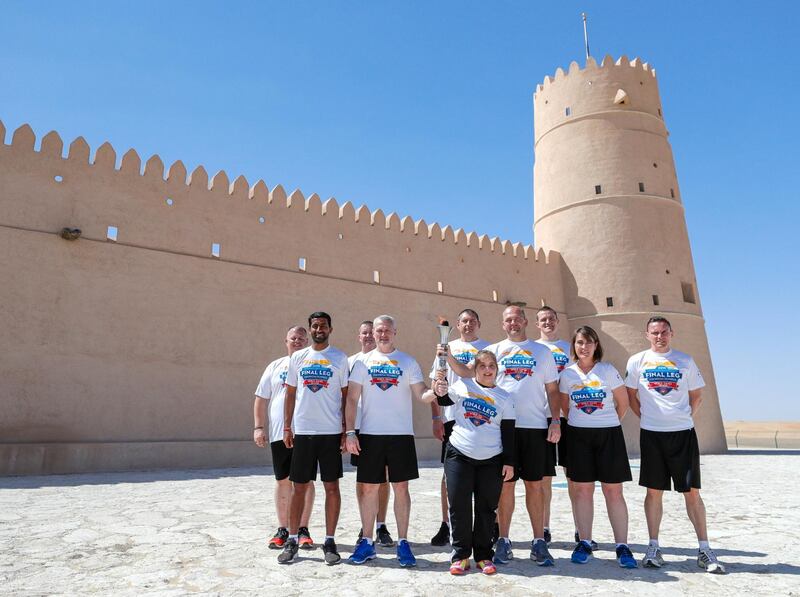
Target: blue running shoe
x,y
625,557
502,552
540,554
364,551
582,553
404,555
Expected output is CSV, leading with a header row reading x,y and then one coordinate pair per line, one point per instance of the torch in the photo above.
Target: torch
x,y
444,335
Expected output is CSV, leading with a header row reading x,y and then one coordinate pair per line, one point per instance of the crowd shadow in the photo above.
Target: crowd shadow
x,y
763,452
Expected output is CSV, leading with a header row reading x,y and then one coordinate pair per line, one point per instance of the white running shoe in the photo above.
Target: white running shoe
x,y
653,558
708,559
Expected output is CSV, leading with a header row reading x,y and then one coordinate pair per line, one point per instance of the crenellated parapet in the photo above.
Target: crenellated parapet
x,y
168,208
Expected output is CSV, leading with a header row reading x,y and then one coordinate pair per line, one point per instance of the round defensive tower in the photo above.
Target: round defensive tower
x,y
606,196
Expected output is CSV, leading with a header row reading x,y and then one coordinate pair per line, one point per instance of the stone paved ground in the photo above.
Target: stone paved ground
x,y
173,533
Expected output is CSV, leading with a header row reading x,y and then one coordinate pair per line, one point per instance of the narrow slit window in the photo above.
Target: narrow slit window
x,y
609,301
494,296
215,250
301,264
376,277
340,236
439,286
568,111
672,193
641,187
598,189
688,292
655,300
111,233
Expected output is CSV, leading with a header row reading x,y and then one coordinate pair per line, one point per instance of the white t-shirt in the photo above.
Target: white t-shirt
x,y
272,387
319,377
478,412
560,350
591,399
664,381
351,360
464,352
524,369
386,398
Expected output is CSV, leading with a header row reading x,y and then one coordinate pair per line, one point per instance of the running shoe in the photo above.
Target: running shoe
x,y
404,555
708,559
442,536
459,567
383,538
304,539
592,542
364,551
582,553
625,558
548,538
487,567
540,554
289,553
502,552
331,553
653,558
279,539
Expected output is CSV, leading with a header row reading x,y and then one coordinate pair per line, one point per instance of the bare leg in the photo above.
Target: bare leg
x,y
571,492
445,511
506,508
296,502
653,511
283,491
617,511
534,500
696,510
308,506
402,508
333,505
547,496
369,507
583,504
383,501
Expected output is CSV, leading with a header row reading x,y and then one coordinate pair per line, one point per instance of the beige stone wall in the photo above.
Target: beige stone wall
x,y
145,352
622,243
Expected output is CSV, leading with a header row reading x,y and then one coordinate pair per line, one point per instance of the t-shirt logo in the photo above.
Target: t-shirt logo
x,y
663,378
385,375
282,375
588,397
478,409
316,374
519,365
560,358
465,356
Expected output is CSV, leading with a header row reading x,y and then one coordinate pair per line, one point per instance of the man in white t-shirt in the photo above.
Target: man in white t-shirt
x,y
271,391
547,321
383,537
665,387
316,389
528,372
386,381
463,350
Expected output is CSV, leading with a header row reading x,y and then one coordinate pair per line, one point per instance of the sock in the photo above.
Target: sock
x,y
369,540
328,537
704,545
379,524
653,543
537,539
401,539
504,539
293,537
621,544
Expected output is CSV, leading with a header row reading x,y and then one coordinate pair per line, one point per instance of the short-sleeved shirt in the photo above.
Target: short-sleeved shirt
x,y
319,376
664,381
464,352
591,395
523,370
351,360
386,397
272,387
560,350
478,412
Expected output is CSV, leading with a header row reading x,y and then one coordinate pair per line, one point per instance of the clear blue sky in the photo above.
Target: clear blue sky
x,y
425,108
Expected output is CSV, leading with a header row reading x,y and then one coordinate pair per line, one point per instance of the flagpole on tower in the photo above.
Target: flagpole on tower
x,y
585,35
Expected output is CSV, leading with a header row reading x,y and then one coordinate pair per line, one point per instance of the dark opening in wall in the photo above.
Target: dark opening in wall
x,y
609,301
672,193
568,111
641,187
688,292
598,189
655,300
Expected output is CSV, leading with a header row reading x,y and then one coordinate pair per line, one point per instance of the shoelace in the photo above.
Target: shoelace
x,y
708,556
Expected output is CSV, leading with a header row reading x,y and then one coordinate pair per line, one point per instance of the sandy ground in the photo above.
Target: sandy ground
x,y
179,532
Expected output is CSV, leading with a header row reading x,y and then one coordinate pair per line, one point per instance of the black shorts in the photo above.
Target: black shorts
x,y
397,453
535,459
669,455
354,457
281,459
559,449
448,429
598,454
312,450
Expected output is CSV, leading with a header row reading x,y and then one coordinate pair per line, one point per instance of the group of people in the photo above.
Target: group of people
x,y
505,411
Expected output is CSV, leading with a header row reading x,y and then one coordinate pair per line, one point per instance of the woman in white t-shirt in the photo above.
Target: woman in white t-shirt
x,y
594,396
478,458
